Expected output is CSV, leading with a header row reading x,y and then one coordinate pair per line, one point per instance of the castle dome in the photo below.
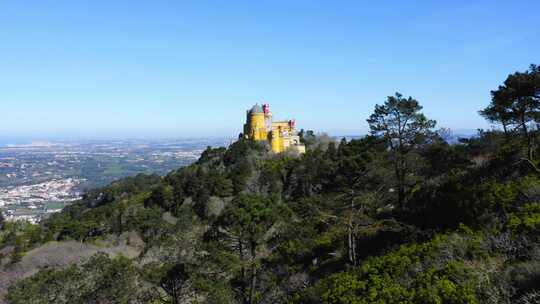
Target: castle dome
x,y
256,109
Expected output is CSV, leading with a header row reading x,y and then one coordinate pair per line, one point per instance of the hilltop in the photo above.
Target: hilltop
x,y
397,216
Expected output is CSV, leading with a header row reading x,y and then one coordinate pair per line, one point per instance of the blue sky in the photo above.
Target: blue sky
x,y
191,68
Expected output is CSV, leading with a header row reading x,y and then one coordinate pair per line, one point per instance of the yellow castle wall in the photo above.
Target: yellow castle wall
x,y
258,127
277,142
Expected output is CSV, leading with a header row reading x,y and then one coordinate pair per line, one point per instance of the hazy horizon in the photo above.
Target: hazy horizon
x,y
25,140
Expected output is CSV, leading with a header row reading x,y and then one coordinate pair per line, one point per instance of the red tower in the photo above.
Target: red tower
x,y
266,108
292,123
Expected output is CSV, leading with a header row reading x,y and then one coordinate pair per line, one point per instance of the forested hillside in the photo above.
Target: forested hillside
x,y
398,216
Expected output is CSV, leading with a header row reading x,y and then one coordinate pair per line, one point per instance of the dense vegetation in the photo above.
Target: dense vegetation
x,y
398,216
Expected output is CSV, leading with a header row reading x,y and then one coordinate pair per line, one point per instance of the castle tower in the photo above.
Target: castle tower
x,y
276,141
267,116
256,125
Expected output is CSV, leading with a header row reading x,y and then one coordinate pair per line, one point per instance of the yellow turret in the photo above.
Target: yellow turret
x,y
255,127
276,141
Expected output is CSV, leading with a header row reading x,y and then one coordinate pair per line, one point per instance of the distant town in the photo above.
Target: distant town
x,y
30,202
41,178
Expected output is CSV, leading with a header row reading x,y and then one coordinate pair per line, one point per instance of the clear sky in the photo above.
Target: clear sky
x,y
191,68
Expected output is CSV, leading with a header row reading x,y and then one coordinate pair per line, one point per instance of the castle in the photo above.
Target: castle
x,y
281,135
